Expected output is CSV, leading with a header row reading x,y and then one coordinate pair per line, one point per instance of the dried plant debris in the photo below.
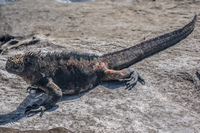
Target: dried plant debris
x,y
10,42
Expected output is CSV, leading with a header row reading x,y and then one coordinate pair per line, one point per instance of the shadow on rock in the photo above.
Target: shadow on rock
x,y
19,112
109,85
113,84
14,115
30,99
40,97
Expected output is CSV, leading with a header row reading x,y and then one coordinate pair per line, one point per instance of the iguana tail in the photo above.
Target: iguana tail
x,y
126,57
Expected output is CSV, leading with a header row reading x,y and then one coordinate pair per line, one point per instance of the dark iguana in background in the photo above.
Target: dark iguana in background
x,y
70,73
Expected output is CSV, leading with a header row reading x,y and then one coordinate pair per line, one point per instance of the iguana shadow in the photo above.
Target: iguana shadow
x,y
19,112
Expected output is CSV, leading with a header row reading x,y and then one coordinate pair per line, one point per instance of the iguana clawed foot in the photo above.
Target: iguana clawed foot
x,y
33,89
132,80
35,108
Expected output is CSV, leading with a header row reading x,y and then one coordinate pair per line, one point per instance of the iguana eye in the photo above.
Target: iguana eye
x,y
27,61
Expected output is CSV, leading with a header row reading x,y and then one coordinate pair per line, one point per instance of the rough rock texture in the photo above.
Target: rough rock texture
x,y
170,100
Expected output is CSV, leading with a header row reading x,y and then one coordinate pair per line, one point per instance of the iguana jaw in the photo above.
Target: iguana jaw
x,y
14,70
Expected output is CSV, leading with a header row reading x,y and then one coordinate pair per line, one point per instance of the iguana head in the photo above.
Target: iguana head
x,y
19,63
15,64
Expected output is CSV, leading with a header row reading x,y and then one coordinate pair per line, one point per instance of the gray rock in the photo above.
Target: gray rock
x,y
170,100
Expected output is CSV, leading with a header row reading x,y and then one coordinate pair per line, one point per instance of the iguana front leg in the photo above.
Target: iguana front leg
x,y
54,94
128,75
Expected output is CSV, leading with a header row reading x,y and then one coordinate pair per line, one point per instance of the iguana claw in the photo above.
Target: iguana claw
x,y
132,81
34,109
33,89
140,79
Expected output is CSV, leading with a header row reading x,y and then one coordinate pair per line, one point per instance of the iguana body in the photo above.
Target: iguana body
x,y
70,73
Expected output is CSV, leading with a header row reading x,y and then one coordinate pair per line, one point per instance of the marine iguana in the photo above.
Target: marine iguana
x,y
71,73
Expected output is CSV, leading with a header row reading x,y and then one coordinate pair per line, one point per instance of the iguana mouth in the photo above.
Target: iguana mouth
x,y
13,69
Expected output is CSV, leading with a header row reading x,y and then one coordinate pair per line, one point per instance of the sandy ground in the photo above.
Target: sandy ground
x,y
170,100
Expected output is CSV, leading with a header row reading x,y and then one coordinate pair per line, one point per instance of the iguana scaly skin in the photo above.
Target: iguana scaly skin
x,y
70,73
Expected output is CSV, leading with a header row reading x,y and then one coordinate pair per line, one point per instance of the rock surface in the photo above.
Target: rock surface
x,y
170,100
